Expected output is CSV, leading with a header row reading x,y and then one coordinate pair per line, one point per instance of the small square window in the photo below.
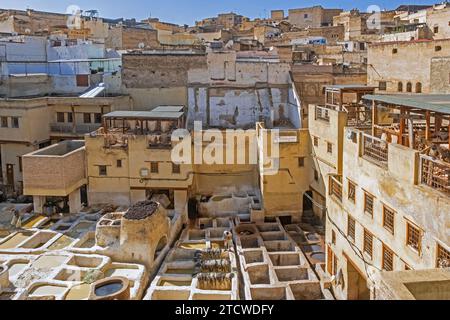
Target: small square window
x,y
87,118
437,48
14,122
316,142
176,168
60,117
394,51
436,29
413,237
329,147
102,171
443,257
368,203
119,163
389,219
388,259
301,162
98,117
351,192
368,243
4,122
382,86
154,167
351,228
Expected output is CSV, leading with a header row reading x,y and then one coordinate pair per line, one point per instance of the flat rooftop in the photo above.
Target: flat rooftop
x,y
60,149
432,102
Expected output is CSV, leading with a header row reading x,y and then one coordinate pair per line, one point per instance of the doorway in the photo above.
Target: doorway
x,y
357,284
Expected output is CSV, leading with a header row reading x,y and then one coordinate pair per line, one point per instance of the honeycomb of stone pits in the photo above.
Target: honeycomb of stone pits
x,y
141,210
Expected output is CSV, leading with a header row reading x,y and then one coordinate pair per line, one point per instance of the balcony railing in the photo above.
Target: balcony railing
x,y
322,113
77,129
376,150
435,173
336,187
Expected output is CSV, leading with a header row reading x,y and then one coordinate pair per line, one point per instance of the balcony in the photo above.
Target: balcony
x,y
336,186
322,113
375,150
435,174
70,128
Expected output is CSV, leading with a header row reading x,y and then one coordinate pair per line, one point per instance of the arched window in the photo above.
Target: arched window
x,y
400,87
409,87
418,87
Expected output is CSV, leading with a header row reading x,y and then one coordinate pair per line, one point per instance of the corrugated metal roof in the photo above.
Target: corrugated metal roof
x,y
349,86
144,115
431,102
168,108
93,92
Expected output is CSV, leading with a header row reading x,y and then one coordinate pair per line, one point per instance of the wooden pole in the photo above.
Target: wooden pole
x,y
428,125
374,117
402,125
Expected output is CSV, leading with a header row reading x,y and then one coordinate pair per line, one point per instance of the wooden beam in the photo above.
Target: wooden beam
x,y
428,123
402,125
374,117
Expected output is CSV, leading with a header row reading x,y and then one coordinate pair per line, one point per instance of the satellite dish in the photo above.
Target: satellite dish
x,y
141,45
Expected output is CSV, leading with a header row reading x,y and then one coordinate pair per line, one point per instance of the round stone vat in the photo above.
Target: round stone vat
x,y
4,277
114,288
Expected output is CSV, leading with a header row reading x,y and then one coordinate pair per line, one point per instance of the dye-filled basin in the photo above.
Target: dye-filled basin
x,y
47,290
79,292
318,256
15,240
63,242
115,288
193,246
33,222
180,271
88,243
48,262
174,283
312,237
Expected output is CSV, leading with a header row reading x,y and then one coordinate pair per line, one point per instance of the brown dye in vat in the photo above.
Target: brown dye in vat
x,y
30,224
195,246
175,283
180,271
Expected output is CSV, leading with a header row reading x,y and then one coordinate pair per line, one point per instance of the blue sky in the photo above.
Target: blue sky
x,y
187,11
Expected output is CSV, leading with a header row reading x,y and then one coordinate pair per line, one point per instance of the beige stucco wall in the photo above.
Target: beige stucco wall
x,y
394,187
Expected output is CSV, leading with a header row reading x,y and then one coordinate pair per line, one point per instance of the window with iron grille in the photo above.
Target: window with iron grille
x,y
351,228
351,191
413,237
4,122
368,243
388,259
60,117
329,147
119,163
443,257
102,171
70,117
316,142
368,203
301,162
388,219
154,167
14,122
176,168
87,118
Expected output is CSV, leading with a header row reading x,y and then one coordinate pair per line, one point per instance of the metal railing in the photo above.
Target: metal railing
x,y
376,150
336,187
435,173
77,129
322,113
